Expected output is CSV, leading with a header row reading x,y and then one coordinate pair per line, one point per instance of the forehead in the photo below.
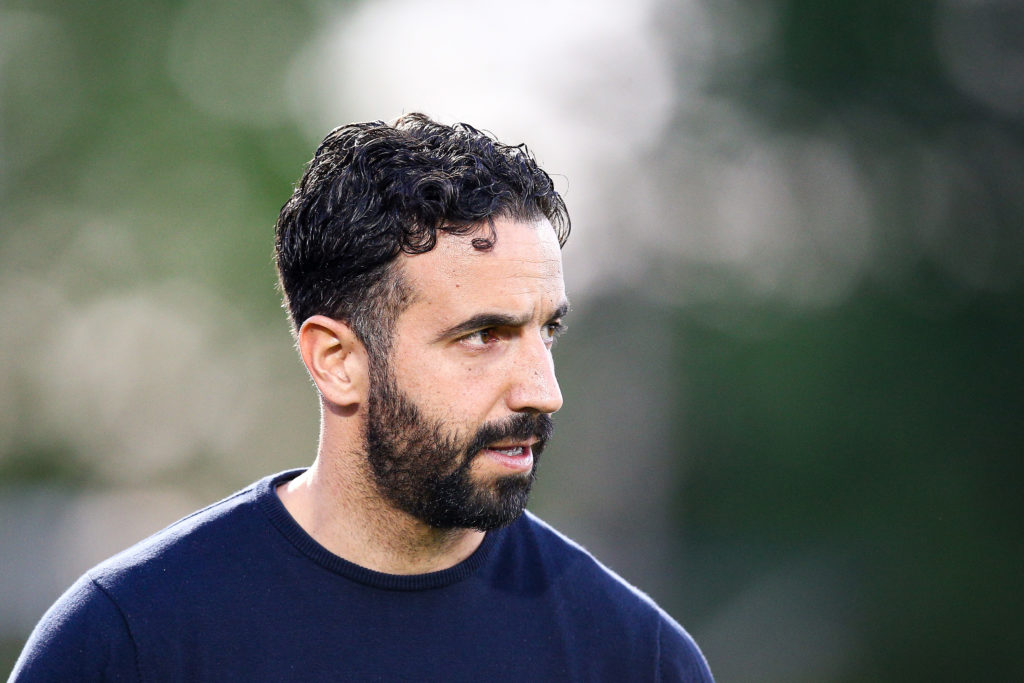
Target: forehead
x,y
523,268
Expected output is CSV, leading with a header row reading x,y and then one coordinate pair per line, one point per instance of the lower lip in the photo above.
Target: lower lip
x,y
517,463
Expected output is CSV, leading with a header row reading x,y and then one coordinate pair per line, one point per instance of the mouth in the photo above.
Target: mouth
x,y
516,457
511,446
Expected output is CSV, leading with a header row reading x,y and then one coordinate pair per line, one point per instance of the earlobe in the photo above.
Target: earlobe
x,y
335,359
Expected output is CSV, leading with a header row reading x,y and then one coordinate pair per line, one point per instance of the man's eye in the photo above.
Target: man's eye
x,y
552,330
480,338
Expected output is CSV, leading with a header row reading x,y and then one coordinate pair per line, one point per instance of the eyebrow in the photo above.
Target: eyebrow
x,y
482,321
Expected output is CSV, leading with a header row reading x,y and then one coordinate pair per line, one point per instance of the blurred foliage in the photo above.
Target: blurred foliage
x,y
883,433
885,440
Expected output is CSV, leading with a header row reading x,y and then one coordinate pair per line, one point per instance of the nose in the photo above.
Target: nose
x,y
534,387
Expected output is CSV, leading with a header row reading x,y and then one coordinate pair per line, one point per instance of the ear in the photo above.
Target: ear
x,y
336,360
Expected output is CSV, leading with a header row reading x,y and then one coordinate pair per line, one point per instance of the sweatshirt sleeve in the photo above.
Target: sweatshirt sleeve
x,y
83,637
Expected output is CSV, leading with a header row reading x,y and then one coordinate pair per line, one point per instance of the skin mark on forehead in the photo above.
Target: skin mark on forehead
x,y
511,239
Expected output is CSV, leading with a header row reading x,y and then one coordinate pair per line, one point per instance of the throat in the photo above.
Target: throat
x,y
352,521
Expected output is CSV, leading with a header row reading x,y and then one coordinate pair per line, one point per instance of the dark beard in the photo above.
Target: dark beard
x,y
423,469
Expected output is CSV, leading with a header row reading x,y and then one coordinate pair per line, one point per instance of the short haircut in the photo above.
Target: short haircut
x,y
374,190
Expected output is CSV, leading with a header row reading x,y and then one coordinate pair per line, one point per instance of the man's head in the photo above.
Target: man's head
x,y
460,413
373,191
435,250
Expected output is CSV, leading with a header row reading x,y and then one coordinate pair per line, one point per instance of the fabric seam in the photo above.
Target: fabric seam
x,y
124,619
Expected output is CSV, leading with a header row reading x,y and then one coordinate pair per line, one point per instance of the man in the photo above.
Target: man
x,y
421,267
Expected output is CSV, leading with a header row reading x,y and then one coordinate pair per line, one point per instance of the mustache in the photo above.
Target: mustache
x,y
517,427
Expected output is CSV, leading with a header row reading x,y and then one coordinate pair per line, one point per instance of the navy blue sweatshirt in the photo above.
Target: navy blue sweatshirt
x,y
239,592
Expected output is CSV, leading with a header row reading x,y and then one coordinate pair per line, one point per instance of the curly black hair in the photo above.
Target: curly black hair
x,y
374,190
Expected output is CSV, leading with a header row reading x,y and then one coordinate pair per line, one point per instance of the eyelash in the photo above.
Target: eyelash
x,y
555,328
479,333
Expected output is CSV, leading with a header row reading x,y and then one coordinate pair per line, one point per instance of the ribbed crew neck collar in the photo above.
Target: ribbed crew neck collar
x,y
268,501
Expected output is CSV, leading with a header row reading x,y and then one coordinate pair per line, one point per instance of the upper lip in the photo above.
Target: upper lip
x,y
514,444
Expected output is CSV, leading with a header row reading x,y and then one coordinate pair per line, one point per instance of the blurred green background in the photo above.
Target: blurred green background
x,y
794,382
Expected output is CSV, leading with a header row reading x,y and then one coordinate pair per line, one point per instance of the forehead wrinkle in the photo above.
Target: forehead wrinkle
x,y
457,267
536,268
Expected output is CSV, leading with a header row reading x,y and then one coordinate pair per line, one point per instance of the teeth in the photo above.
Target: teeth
x,y
518,450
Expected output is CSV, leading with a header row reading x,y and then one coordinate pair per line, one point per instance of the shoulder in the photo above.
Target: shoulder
x,y
100,613
100,627
195,545
596,594
83,636
572,564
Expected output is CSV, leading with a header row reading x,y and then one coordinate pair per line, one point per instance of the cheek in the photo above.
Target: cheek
x,y
446,386
466,392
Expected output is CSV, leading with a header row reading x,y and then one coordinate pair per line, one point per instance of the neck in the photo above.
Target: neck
x,y
336,502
